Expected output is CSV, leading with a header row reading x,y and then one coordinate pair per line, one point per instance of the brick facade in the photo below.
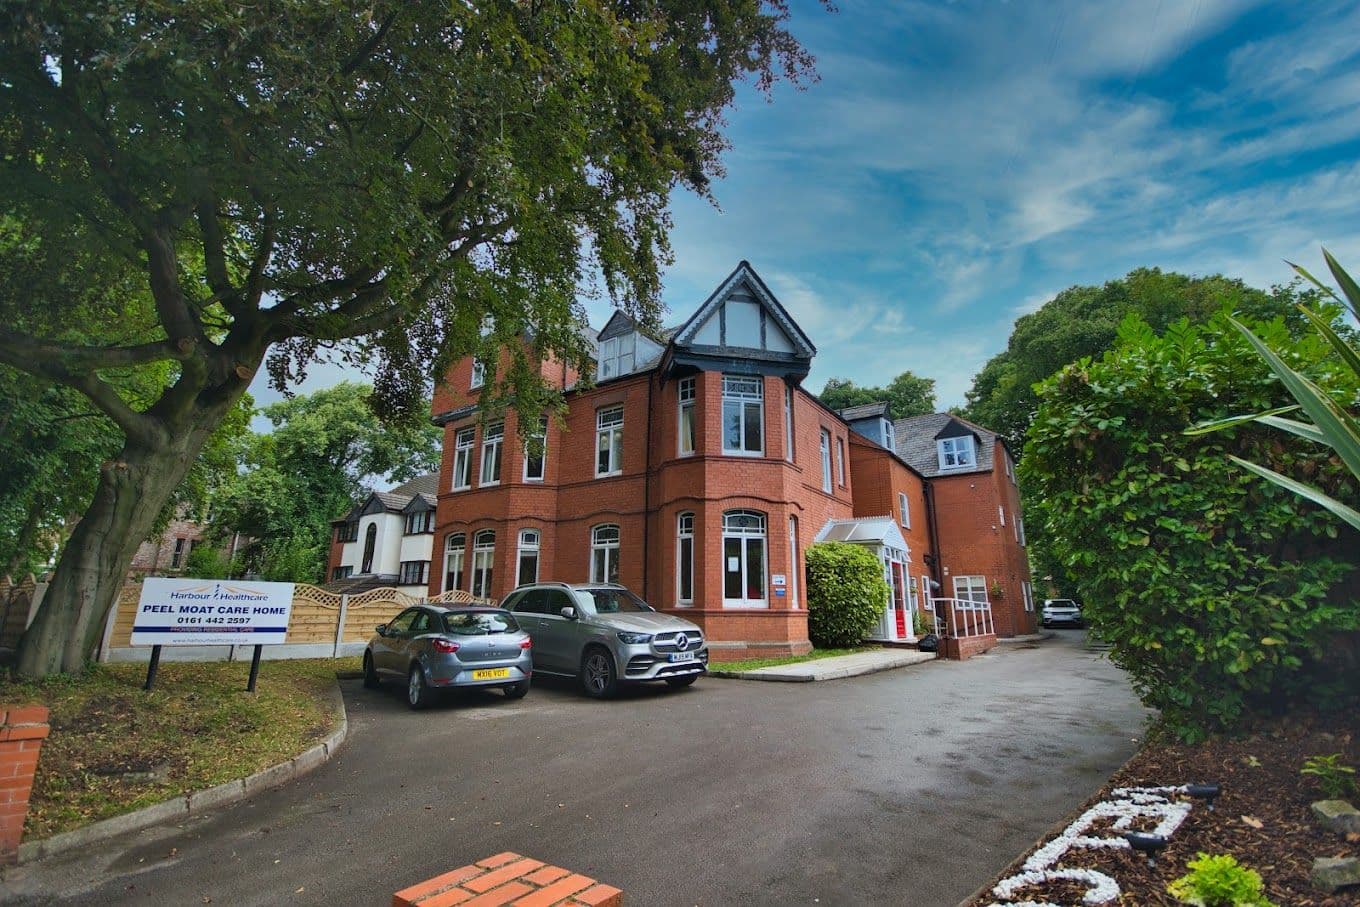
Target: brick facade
x,y
170,552
657,483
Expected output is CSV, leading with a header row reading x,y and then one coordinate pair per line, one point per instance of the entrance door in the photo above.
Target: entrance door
x,y
899,596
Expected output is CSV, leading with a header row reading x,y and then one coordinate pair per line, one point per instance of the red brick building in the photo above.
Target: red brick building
x,y
695,470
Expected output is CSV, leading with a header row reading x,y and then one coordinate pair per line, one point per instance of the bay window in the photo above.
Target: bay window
x,y
492,437
609,441
462,458
743,552
684,559
483,562
604,554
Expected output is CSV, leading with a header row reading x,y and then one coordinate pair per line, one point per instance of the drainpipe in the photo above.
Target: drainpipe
x,y
647,496
934,561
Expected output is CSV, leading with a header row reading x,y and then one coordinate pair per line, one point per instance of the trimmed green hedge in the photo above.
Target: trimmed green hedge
x,y
1221,594
846,593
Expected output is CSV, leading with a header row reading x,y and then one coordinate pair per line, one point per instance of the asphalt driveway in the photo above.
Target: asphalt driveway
x,y
908,787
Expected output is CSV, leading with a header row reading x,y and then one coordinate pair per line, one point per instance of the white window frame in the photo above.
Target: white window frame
x,y
743,392
795,570
743,534
604,540
542,437
904,510
464,440
478,374
618,356
483,570
454,553
788,423
826,461
971,591
957,453
530,543
1020,530
609,432
493,439
687,393
684,536
840,461
1001,514
889,435
418,522
1027,591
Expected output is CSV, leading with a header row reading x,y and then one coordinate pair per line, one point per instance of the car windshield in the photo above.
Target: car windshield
x,y
479,623
614,601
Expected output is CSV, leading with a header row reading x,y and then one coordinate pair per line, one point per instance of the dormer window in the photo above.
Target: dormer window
x,y
618,356
957,453
478,374
889,436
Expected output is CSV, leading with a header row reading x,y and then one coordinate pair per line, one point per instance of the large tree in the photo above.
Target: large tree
x,y
309,470
1083,321
906,395
386,176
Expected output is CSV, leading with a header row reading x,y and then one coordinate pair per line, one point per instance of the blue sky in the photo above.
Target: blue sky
x,y
959,163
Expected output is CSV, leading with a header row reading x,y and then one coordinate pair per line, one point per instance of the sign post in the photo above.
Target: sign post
x,y
196,612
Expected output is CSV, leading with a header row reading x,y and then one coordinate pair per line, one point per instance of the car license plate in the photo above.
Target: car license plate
x,y
682,656
491,674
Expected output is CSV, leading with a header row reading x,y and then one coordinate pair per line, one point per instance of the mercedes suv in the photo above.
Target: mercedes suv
x,y
604,636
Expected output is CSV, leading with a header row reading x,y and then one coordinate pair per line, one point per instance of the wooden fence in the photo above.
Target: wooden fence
x,y
321,625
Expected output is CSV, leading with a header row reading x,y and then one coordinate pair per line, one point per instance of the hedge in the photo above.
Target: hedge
x,y
846,593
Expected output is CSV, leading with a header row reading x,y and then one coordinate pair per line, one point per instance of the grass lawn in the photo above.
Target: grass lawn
x,y
115,748
750,664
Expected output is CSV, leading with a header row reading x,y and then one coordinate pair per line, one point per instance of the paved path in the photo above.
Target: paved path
x,y
839,666
905,787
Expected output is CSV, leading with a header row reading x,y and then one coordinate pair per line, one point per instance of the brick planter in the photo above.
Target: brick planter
x,y
22,731
509,879
967,647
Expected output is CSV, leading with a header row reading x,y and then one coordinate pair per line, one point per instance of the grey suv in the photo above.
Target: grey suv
x,y
605,635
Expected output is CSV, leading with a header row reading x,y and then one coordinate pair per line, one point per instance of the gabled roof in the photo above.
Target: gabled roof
x,y
917,442
864,411
745,276
398,500
419,503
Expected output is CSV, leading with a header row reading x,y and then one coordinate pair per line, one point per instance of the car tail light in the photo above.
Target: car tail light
x,y
527,644
447,646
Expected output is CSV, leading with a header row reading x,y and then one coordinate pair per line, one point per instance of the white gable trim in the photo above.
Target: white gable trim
x,y
745,274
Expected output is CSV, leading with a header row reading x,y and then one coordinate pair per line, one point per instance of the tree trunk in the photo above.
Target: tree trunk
x,y
90,573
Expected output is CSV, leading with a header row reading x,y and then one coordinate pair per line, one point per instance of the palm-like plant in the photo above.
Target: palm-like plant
x,y
1331,423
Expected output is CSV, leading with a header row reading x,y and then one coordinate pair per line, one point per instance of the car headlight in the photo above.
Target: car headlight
x,y
635,639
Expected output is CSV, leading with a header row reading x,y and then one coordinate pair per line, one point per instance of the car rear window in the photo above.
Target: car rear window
x,y
479,623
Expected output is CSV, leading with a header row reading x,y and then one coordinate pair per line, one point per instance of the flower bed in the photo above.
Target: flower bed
x,y
1262,818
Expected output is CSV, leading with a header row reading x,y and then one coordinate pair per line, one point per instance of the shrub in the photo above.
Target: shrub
x,y
1214,589
846,593
1336,781
1220,881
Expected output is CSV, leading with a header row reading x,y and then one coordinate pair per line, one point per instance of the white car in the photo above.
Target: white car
x,y
1061,611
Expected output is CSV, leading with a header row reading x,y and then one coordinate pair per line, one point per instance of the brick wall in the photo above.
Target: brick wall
x,y
975,542
509,879
158,555
22,731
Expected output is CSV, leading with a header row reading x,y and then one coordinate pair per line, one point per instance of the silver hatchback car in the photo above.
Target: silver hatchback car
x,y
433,648
604,635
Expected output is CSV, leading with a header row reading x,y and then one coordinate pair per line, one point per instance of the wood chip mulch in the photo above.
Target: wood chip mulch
x,y
1262,787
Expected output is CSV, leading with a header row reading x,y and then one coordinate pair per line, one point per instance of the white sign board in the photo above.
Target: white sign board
x,y
209,612
777,580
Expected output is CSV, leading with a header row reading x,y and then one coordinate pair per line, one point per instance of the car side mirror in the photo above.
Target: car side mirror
x,y
382,629
568,612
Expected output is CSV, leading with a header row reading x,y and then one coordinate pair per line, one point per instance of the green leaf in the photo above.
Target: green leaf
x,y
1350,515
1347,352
1343,435
1344,280
1203,428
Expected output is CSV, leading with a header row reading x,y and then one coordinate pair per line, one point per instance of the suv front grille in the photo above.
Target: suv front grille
x,y
665,642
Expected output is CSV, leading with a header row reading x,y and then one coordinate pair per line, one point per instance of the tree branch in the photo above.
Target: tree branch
x,y
368,47
33,354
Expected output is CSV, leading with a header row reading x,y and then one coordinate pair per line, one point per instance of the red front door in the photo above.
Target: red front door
x,y
900,594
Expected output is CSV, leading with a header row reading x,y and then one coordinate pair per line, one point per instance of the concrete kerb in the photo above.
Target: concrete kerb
x,y
1028,637
198,802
